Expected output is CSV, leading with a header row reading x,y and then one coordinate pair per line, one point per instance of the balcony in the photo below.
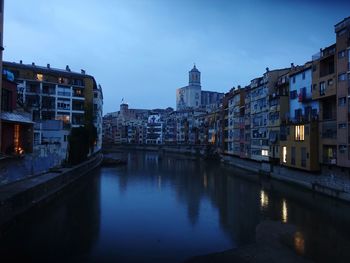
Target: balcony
x,y
64,93
329,130
324,53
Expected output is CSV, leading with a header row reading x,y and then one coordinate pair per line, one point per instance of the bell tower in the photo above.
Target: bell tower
x,y
194,77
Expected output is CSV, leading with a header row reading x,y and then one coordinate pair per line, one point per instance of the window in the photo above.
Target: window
x,y
341,54
293,79
303,157
314,86
284,154
307,130
322,88
293,156
298,113
293,94
330,82
342,148
299,132
39,77
303,75
264,152
314,68
341,32
6,100
342,125
342,77
342,101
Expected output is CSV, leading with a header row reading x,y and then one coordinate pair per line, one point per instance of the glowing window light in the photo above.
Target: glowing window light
x,y
40,77
264,152
284,211
284,154
299,132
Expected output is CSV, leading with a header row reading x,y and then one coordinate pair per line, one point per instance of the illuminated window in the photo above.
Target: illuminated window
x,y
64,118
299,132
39,77
264,152
284,154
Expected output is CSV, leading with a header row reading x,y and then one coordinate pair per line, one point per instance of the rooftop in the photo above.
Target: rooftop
x,y
48,69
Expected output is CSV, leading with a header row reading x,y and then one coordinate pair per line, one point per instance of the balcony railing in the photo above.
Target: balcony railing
x,y
329,130
64,93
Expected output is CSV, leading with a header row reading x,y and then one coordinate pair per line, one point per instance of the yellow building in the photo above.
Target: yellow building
x,y
300,149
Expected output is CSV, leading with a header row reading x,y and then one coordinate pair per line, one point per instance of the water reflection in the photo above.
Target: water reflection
x,y
205,180
55,231
299,243
264,200
284,211
171,208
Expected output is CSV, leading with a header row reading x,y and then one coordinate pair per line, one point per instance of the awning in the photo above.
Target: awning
x,y
16,117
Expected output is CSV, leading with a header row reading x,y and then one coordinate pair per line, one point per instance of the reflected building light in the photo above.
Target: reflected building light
x,y
284,211
205,181
264,199
299,243
159,182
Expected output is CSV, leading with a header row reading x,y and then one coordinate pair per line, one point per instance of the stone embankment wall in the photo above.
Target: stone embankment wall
x,y
332,184
196,150
41,160
18,197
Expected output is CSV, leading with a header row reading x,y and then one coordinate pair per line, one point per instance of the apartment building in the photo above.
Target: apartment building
x,y
236,123
299,135
224,128
98,116
259,114
154,129
16,126
278,111
247,123
57,94
324,90
342,79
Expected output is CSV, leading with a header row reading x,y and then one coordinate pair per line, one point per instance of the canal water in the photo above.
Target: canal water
x,y
169,209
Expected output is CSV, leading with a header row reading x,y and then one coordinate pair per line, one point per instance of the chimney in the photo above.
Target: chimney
x,y
83,71
267,69
33,64
48,65
292,65
67,68
20,62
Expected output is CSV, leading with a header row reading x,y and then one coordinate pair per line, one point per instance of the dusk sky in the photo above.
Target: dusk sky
x,y
142,50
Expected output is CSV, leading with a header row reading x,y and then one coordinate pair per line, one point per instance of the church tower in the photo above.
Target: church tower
x,y
194,77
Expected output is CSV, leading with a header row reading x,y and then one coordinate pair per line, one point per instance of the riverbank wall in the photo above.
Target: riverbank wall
x,y
18,197
203,151
329,183
333,185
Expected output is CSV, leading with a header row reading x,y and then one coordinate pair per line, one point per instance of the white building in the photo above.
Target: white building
x,y
154,129
98,115
192,95
51,94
